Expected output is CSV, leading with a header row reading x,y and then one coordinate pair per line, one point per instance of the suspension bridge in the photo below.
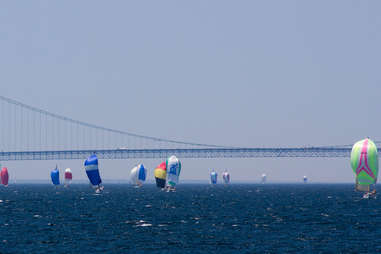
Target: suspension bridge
x,y
30,133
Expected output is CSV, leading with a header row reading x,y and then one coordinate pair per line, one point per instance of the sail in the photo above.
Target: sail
x,y
55,175
264,178
4,176
92,170
213,177
138,174
68,176
160,175
364,162
226,177
173,166
133,175
142,173
305,179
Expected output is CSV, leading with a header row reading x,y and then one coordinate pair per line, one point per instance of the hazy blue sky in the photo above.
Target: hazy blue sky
x,y
242,73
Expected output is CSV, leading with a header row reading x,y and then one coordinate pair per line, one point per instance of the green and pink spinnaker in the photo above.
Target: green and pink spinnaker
x,y
364,162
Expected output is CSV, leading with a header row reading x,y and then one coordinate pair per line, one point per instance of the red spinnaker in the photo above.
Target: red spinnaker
x,y
4,176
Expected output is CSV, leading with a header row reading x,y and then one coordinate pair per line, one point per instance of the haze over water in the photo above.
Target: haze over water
x,y
238,218
247,74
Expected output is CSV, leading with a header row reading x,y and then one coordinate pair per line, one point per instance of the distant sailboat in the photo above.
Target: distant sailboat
x,y
68,176
305,179
173,166
55,176
92,171
138,175
161,175
226,177
4,176
264,178
213,177
364,162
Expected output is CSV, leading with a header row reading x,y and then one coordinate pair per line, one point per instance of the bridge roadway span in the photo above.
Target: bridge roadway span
x,y
312,152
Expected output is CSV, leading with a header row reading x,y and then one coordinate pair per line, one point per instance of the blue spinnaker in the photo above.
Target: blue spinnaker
x,y
92,170
142,172
55,175
213,177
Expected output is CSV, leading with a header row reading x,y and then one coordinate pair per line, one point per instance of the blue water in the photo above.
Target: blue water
x,y
195,219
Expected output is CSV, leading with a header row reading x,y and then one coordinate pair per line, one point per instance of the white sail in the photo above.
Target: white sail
x,y
173,171
68,176
138,175
134,175
226,177
264,178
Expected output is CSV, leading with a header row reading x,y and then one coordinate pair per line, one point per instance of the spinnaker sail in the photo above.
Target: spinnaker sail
x,y
138,175
305,179
68,176
364,162
161,175
264,178
226,177
213,177
173,166
92,171
55,175
4,176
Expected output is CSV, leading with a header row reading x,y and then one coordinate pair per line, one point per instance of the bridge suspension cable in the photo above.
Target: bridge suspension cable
x,y
53,128
24,128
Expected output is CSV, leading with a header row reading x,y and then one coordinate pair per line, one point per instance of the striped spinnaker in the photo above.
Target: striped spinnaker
x,y
364,162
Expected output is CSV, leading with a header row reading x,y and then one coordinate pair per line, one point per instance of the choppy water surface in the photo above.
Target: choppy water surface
x,y
195,219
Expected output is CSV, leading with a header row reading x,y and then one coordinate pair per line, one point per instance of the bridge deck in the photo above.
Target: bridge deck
x,y
181,153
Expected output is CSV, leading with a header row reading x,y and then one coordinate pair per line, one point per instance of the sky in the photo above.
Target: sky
x,y
236,73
